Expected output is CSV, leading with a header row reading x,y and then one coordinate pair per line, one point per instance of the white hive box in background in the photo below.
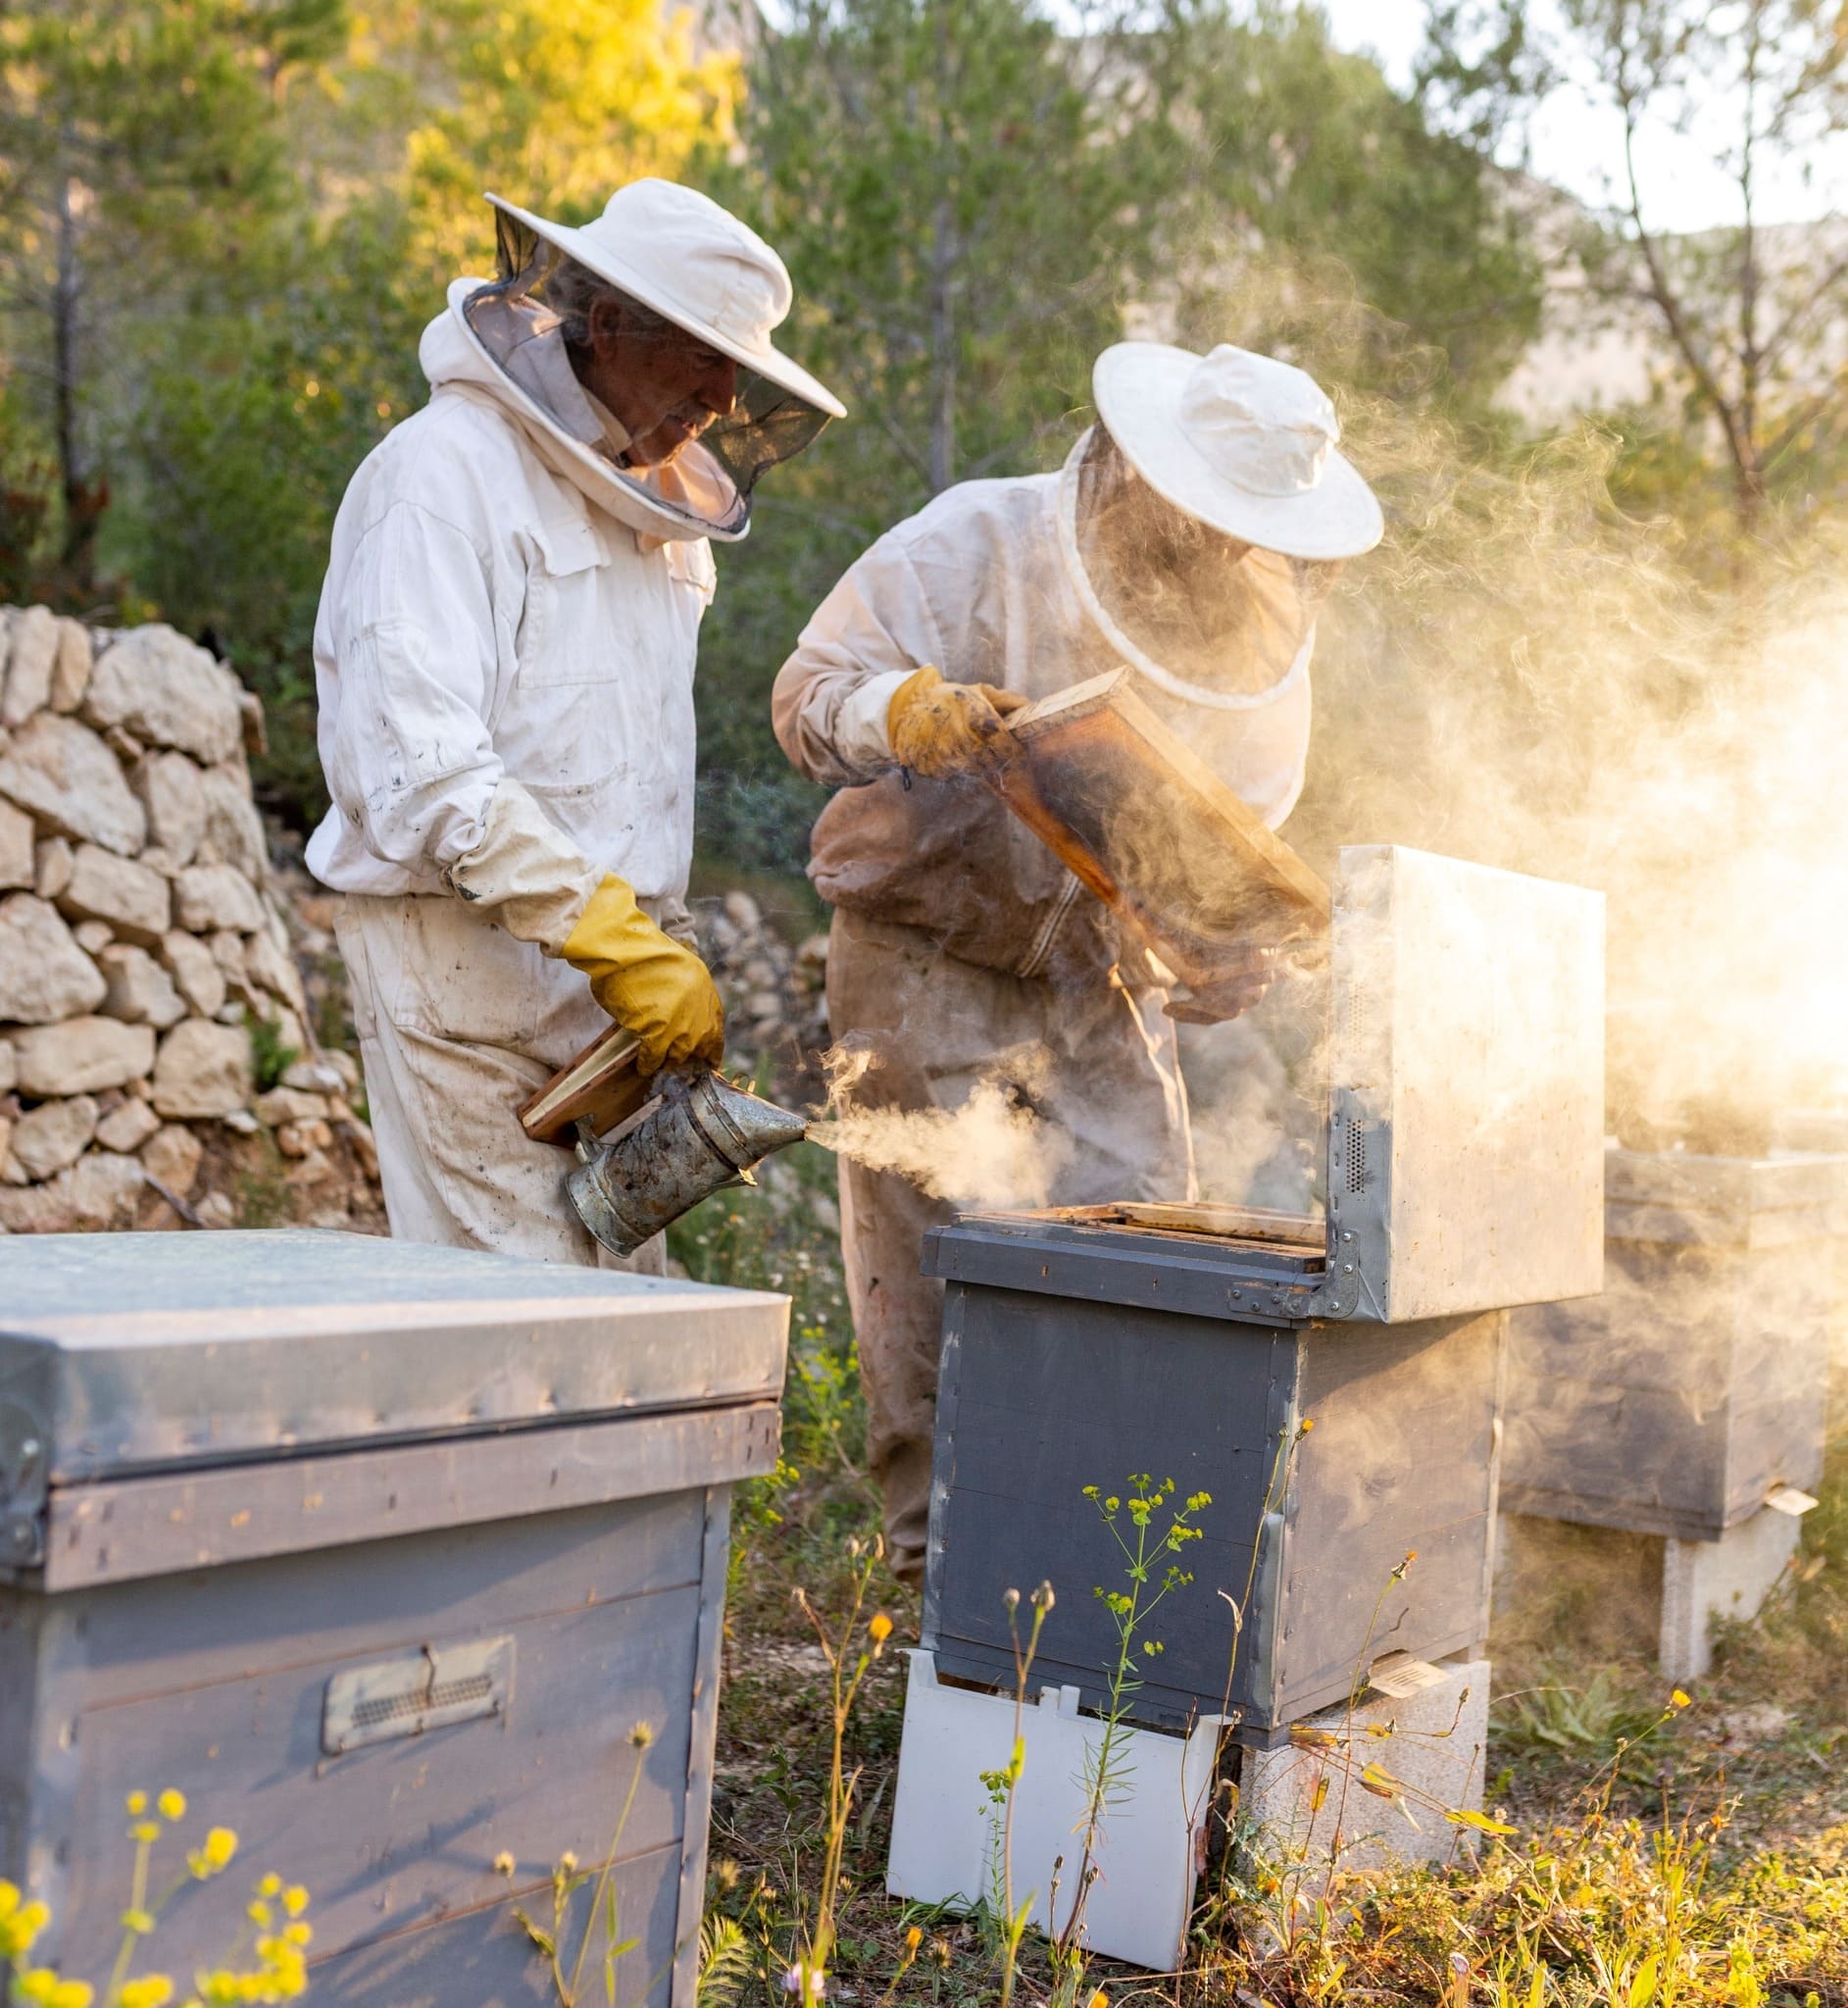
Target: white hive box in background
x,y
379,1552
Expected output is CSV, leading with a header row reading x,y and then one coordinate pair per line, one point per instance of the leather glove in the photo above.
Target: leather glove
x,y
940,729
647,981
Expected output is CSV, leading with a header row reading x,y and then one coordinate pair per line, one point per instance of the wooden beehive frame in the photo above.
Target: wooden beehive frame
x,y
1148,828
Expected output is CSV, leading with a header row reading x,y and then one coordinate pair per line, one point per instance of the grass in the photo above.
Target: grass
x,y
1662,1858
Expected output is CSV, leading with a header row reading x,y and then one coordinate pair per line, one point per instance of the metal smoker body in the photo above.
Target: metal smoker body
x,y
697,1135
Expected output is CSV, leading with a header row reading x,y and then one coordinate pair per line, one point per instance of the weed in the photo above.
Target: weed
x,y
568,1878
274,1938
270,1058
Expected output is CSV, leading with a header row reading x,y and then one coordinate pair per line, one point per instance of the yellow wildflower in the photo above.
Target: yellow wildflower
x,y
271,1885
136,1803
146,1832
139,1922
295,1899
150,1990
71,1994
504,1863
1679,1699
171,1804
912,1939
220,1844
880,1629
298,1933
641,1736
257,1911
20,1925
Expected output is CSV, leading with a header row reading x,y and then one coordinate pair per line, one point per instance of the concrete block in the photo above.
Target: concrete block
x,y
1703,1581
1306,1801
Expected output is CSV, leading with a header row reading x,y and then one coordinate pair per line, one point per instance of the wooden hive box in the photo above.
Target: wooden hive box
x,y
378,1552
1696,1385
1079,1348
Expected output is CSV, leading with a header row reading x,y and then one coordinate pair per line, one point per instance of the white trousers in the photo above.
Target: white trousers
x,y
458,1024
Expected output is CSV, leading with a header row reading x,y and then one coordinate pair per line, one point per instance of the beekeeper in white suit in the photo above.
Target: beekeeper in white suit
x,y
1191,536
504,657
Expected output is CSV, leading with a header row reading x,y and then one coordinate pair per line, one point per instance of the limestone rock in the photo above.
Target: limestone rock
x,y
71,673
140,992
207,897
69,780
173,1156
17,863
52,861
128,1126
97,1191
9,1071
274,969
289,1105
171,789
299,1140
255,737
125,746
202,1070
168,692
227,951
134,901
323,1076
233,825
35,650
44,975
81,1055
54,1135
195,971
364,1148
92,936
217,1210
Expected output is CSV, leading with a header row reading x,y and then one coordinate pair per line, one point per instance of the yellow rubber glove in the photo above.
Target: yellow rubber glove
x,y
940,729
647,981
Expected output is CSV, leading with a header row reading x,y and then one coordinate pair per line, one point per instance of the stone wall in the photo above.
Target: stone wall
x,y
141,940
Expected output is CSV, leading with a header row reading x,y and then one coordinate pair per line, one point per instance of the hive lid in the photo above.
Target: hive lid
x,y
129,1352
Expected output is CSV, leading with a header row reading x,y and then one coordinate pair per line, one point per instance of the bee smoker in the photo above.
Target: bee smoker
x,y
697,1135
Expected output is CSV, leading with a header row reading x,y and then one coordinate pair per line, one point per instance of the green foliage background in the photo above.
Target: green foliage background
x,y
264,199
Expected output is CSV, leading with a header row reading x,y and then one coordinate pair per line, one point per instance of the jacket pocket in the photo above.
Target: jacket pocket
x,y
459,976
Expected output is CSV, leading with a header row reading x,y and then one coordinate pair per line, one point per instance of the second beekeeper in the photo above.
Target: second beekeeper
x,y
1190,537
504,659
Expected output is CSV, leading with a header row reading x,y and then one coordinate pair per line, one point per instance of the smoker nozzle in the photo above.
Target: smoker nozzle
x,y
698,1135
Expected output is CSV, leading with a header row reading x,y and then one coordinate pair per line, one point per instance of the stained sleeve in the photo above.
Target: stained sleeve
x,y
830,698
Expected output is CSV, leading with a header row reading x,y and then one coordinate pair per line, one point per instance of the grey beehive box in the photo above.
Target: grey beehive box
x,y
379,1552
1697,1383
1465,1083
1074,1354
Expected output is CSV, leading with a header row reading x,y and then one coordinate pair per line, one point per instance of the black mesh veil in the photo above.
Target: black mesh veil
x,y
711,478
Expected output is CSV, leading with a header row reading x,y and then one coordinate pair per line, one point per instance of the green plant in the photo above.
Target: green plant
x,y
847,1670
276,1936
1106,1773
604,1907
1003,1785
269,1057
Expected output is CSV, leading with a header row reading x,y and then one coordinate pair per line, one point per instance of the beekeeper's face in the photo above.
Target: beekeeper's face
x,y
663,384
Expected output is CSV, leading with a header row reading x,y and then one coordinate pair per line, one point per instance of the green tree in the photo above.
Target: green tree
x,y
1745,318
139,150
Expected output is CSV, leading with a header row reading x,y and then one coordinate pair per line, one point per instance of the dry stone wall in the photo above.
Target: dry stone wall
x,y
140,935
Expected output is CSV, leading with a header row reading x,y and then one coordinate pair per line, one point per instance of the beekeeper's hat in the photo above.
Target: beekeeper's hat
x,y
1243,443
677,251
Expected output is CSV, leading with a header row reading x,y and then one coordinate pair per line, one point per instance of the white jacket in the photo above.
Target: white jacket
x,y
484,620
979,584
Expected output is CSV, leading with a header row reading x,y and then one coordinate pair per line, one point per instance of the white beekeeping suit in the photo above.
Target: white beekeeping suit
x,y
962,951
503,658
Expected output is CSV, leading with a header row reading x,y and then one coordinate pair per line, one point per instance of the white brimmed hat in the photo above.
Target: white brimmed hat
x,y
677,251
1243,443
